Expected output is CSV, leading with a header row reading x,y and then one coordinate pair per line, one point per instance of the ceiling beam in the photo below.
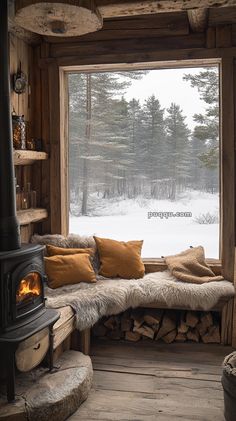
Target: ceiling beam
x,y
115,8
198,19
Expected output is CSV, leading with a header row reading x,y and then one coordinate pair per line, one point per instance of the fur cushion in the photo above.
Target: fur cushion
x,y
71,241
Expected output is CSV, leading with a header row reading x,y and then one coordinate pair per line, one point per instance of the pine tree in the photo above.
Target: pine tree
x,y
98,150
178,149
154,136
207,123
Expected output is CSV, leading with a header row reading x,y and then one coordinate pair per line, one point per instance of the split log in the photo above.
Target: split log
x,y
212,336
132,336
168,324
191,318
193,335
182,328
126,323
145,331
181,337
111,323
201,328
138,317
153,317
170,337
207,319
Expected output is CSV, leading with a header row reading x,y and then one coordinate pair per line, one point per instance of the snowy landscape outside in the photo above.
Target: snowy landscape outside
x,y
144,158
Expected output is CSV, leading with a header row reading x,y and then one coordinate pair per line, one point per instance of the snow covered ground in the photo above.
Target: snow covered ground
x,y
128,220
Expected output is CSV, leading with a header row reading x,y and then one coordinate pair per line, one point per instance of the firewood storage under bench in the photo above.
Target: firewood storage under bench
x,y
66,325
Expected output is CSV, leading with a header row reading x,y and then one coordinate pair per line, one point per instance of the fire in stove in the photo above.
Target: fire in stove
x,y
29,288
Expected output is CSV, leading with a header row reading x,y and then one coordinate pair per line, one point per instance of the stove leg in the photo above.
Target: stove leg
x,y
10,362
51,336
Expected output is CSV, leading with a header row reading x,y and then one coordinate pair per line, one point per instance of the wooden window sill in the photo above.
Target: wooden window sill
x,y
158,265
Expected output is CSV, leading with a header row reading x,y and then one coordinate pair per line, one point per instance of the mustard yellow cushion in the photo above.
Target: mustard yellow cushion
x,y
71,269
120,259
53,250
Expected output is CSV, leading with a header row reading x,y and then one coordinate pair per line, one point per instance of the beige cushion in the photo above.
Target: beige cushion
x,y
190,266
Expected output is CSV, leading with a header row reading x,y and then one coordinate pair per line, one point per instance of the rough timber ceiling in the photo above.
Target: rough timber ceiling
x,y
165,17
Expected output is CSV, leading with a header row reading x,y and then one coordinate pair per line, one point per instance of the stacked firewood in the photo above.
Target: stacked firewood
x,y
165,325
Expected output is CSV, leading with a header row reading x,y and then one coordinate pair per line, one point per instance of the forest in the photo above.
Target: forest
x,y
120,149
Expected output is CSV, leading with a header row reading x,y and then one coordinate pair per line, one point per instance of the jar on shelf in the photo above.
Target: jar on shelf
x,y
19,131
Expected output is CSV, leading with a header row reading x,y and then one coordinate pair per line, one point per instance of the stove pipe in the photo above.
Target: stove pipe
x,y
9,226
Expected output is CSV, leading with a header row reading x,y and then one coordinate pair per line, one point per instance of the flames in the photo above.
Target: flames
x,y
29,287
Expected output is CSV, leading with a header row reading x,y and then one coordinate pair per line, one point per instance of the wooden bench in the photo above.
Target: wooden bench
x,y
66,335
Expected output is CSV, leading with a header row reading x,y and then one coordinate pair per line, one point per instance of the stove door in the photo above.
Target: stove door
x,y
29,289
28,292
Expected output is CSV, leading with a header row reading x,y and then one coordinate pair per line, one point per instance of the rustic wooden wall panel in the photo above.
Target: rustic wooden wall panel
x,y
29,105
118,46
129,27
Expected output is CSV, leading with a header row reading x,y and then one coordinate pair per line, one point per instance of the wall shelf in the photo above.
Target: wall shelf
x,y
31,215
25,157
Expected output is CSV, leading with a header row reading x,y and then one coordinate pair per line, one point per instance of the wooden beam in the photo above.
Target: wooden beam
x,y
142,60
130,46
222,16
159,25
198,19
114,8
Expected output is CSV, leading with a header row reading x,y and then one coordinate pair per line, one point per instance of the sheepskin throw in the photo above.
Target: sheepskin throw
x,y
190,266
112,296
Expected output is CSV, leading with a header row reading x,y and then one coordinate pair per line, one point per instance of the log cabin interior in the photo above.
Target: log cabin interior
x,y
121,349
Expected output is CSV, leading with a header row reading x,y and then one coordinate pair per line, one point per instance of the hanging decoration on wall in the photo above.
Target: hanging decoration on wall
x,y
19,81
58,18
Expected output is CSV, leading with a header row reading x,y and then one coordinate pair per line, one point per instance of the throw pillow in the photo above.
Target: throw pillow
x,y
190,266
120,259
70,269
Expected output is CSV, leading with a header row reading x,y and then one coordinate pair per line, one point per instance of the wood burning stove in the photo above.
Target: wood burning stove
x,y
22,307
21,286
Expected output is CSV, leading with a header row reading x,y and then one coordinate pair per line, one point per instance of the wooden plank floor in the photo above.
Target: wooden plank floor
x,y
149,381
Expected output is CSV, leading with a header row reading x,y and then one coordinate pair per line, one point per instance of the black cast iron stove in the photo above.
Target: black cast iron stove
x,y
21,286
22,306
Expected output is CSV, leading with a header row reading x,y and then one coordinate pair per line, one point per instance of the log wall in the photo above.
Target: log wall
x,y
22,54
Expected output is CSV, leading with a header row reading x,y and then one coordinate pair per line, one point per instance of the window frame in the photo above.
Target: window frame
x,y
59,159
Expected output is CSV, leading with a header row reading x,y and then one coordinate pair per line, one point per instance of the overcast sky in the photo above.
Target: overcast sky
x,y
168,86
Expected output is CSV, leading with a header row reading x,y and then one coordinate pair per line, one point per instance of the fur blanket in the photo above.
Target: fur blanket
x,y
112,296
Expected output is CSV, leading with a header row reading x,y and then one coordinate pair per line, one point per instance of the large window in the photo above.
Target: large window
x,y
144,157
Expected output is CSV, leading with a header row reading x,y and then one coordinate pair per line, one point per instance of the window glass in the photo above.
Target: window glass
x,y
144,157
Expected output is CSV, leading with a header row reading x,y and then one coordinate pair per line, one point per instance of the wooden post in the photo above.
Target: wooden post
x,y
227,184
227,168
234,307
58,116
85,341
